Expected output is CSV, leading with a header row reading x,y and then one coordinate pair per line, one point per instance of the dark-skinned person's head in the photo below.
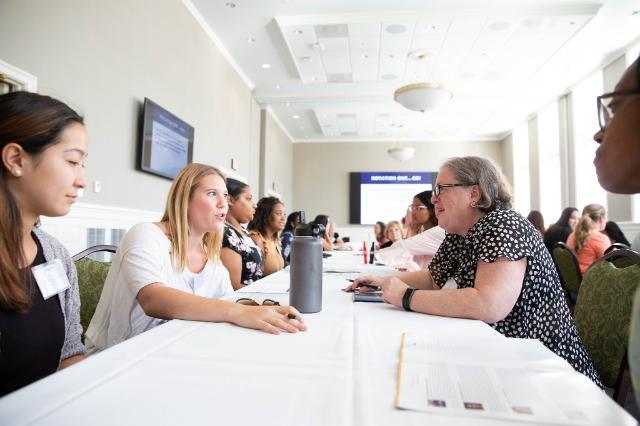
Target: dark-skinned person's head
x,y
617,158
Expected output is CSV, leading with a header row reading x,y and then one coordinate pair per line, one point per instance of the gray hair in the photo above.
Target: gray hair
x,y
495,191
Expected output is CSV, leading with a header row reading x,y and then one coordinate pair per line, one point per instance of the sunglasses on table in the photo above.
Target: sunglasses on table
x,y
250,302
266,302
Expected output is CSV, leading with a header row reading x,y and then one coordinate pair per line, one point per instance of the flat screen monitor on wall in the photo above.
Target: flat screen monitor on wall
x,y
167,142
384,196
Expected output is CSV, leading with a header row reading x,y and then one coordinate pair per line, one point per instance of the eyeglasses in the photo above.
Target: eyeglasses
x,y
437,190
414,208
605,113
250,302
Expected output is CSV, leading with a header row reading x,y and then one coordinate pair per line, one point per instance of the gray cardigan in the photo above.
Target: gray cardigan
x,y
69,299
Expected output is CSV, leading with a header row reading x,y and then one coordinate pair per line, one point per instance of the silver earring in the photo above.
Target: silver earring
x,y
17,173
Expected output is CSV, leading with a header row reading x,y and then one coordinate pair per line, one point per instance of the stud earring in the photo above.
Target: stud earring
x,y
474,204
17,173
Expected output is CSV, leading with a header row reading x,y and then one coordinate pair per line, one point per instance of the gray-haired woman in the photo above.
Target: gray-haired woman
x,y
503,272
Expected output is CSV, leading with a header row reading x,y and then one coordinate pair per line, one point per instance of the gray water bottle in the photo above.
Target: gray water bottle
x,y
305,291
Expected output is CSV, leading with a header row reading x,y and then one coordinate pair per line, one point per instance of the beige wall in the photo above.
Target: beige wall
x,y
321,170
507,157
276,159
104,57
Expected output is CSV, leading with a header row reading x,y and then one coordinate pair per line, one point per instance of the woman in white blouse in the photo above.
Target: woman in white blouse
x,y
172,269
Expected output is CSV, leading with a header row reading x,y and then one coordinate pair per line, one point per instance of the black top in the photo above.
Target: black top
x,y
387,244
30,342
248,251
541,311
556,234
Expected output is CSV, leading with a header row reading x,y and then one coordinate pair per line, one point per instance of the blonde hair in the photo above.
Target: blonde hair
x,y
389,225
587,224
176,214
495,191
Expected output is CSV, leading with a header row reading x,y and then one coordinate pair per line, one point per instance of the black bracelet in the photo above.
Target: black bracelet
x,y
406,299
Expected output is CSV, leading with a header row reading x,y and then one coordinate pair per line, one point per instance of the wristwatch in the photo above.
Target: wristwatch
x,y
406,299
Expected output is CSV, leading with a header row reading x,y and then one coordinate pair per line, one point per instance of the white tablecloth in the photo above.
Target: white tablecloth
x,y
342,371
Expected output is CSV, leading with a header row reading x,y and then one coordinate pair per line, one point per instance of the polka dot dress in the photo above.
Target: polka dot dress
x,y
541,311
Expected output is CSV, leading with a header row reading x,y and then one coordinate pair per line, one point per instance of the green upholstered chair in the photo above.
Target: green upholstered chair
x,y
91,277
603,315
569,271
634,347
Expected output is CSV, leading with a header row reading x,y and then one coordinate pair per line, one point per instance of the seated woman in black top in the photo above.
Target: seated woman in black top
x,y
43,145
240,254
560,231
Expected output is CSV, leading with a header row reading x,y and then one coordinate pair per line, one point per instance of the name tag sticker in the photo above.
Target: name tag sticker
x,y
51,278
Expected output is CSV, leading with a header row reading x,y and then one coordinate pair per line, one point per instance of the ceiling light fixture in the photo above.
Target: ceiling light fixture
x,y
230,5
266,66
401,153
422,96
251,40
295,117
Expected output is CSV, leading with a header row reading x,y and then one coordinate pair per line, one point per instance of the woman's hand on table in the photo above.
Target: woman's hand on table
x,y
270,319
392,287
393,290
364,284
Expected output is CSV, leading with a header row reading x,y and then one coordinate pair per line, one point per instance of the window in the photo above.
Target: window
x,y
549,163
584,124
521,183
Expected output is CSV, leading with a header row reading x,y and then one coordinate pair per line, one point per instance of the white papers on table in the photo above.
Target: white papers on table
x,y
508,379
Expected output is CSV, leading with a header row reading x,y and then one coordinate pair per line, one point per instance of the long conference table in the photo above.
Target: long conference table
x,y
342,371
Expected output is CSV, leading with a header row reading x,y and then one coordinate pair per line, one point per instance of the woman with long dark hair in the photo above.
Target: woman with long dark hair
x,y
267,222
423,214
560,231
240,254
43,143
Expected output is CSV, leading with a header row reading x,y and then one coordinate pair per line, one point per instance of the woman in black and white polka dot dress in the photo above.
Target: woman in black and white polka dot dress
x,y
503,272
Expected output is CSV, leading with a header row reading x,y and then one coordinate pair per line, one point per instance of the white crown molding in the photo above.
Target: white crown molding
x,y
27,81
497,138
279,123
397,16
212,35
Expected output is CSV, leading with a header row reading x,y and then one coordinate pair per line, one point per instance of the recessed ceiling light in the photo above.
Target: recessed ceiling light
x,y
305,59
391,56
288,104
297,32
314,78
396,28
266,66
251,40
230,5
499,26
278,86
635,12
295,116
301,127
572,23
364,56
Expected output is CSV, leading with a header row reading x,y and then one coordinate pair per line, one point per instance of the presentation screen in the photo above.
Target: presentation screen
x,y
384,196
167,142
